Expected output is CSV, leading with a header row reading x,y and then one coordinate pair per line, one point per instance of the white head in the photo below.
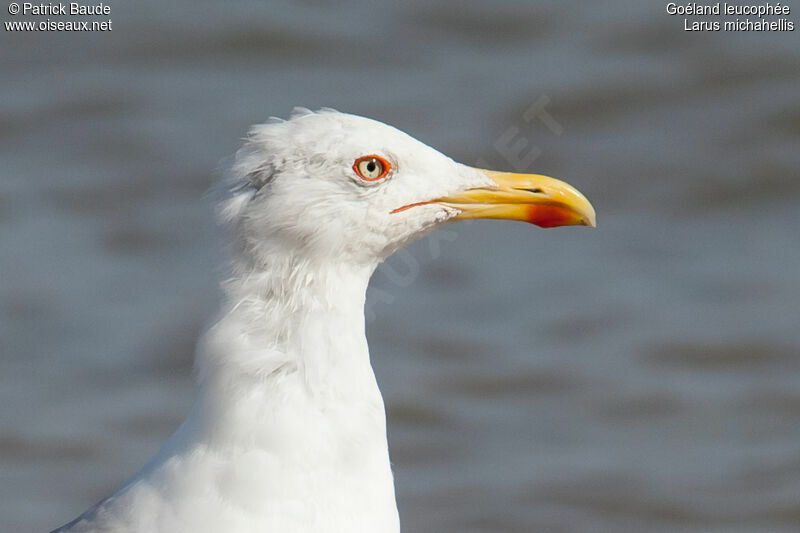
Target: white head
x,y
347,189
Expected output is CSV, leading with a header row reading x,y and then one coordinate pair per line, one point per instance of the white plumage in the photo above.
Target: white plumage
x,y
288,431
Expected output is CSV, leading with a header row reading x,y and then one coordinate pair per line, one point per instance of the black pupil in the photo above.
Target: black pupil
x,y
371,166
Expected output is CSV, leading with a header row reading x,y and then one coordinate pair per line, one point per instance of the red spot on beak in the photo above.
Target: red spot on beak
x,y
548,216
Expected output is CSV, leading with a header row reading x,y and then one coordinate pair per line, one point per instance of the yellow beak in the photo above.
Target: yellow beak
x,y
540,200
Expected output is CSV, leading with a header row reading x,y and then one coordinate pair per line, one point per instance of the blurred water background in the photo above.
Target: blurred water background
x,y
644,376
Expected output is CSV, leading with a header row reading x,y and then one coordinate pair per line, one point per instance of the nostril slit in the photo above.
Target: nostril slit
x,y
535,191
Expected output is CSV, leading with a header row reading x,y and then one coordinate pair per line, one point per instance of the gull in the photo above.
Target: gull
x,y
288,430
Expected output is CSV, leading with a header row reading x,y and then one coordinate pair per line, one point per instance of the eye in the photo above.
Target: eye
x,y
371,167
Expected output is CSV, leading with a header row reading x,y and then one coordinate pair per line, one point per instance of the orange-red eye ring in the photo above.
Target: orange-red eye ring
x,y
385,165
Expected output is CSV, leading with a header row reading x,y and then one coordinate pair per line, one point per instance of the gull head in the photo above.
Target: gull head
x,y
338,187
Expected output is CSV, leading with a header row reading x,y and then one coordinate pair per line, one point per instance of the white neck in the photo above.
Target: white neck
x,y
285,375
